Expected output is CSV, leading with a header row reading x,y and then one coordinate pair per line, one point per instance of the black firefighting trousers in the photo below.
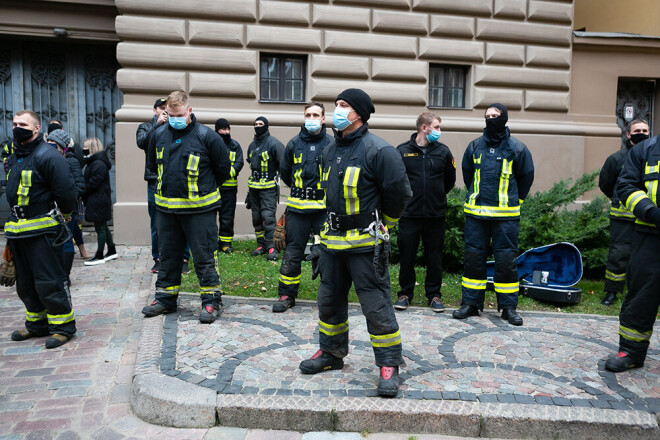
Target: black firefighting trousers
x,y
201,232
477,234
263,203
432,233
226,215
621,233
640,305
338,272
298,228
40,284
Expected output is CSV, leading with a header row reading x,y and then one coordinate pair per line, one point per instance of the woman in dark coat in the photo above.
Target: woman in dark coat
x,y
97,198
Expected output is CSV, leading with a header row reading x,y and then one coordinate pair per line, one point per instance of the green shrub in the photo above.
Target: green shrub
x,y
545,219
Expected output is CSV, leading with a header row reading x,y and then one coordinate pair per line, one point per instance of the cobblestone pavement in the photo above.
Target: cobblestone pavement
x,y
554,359
82,389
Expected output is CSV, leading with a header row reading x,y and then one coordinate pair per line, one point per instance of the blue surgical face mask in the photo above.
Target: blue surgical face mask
x,y
433,136
177,122
340,118
312,125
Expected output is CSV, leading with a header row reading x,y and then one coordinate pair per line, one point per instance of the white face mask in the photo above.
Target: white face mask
x,y
340,118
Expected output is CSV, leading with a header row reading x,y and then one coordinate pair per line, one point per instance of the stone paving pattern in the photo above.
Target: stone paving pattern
x,y
554,359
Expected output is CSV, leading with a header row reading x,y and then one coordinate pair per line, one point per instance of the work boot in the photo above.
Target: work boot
x,y
258,251
225,248
465,311
98,258
111,254
609,299
156,267
209,314
388,383
622,362
56,340
283,303
402,303
185,268
510,314
272,254
22,335
321,361
155,309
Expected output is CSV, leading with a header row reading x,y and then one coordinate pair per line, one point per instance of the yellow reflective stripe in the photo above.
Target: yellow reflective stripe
x,y
333,329
506,287
504,183
469,283
492,211
640,222
386,340
27,225
32,317
193,202
621,212
159,155
352,238
476,181
193,174
260,184
389,221
297,159
289,280
232,158
225,238
324,176
295,202
350,184
297,176
634,198
171,290
264,162
259,234
634,335
61,319
615,276
230,183
23,191
205,290
652,185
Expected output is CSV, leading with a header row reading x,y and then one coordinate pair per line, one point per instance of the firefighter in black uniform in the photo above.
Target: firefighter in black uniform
x,y
264,155
39,182
305,208
432,174
228,189
498,172
366,192
621,220
191,162
638,188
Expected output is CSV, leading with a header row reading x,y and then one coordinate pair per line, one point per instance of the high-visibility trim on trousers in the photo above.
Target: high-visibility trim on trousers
x,y
171,290
33,317
634,335
507,287
289,280
474,284
333,329
615,276
60,319
386,340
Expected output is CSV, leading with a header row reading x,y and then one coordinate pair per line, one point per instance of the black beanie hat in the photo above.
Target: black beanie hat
x,y
360,101
261,118
221,123
501,108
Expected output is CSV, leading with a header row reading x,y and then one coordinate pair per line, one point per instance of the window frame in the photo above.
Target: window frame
x,y
445,93
282,57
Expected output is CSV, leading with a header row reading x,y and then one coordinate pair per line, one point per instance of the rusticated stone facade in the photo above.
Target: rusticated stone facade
x,y
518,52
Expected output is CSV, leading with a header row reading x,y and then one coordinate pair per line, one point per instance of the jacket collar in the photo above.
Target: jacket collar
x,y
352,137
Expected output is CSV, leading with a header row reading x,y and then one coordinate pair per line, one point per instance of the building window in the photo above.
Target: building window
x,y
282,78
447,85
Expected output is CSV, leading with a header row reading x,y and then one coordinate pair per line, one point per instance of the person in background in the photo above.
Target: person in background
x,y
98,200
228,189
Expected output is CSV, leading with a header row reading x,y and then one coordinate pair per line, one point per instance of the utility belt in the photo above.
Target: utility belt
x,y
307,193
341,222
265,175
32,210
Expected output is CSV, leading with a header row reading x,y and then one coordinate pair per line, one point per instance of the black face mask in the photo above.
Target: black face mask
x,y
496,128
638,137
85,152
226,138
260,130
53,126
22,134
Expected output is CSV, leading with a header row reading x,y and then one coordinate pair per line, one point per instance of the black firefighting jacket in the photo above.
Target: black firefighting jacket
x,y
264,155
607,181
